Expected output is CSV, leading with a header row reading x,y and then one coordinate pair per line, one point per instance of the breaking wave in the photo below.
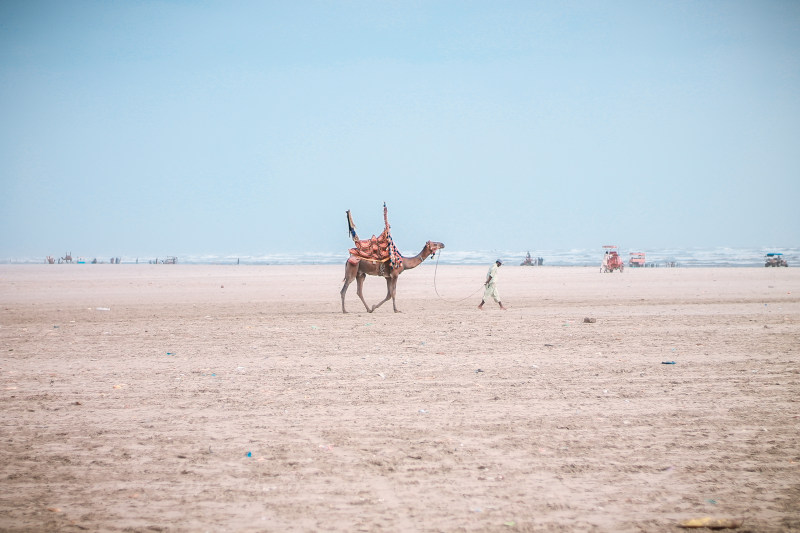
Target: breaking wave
x,y
680,257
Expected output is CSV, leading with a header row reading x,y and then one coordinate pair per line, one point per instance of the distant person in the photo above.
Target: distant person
x,y
491,286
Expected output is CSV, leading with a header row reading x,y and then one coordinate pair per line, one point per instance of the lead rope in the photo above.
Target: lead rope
x,y
437,290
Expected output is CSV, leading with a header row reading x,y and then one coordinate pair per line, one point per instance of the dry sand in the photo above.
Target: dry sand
x,y
240,398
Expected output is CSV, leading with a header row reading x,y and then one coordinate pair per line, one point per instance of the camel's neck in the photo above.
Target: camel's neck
x,y
411,262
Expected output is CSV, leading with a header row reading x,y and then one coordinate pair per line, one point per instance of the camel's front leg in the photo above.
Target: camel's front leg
x,y
360,290
391,286
393,290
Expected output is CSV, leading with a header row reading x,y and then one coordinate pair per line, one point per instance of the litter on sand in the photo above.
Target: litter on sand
x,y
712,523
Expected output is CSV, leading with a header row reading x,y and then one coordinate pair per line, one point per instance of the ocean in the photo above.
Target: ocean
x,y
677,257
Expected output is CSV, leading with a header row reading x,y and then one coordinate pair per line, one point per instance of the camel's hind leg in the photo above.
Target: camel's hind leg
x,y
391,291
350,273
360,290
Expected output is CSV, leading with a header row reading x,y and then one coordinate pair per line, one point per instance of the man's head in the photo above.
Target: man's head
x,y
499,262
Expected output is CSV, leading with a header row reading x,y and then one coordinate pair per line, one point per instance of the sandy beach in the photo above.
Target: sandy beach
x,y
240,398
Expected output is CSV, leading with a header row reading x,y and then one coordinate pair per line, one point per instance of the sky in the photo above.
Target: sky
x,y
250,127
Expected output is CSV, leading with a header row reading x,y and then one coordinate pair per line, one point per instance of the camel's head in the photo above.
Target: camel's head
x,y
433,247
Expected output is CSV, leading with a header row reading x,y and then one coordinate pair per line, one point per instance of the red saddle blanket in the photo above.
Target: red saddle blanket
x,y
379,249
374,249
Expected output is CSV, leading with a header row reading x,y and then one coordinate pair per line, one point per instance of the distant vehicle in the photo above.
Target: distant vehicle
x,y
775,260
611,260
637,259
532,261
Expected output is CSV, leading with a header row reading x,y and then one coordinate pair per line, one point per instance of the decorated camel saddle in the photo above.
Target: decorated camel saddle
x,y
378,249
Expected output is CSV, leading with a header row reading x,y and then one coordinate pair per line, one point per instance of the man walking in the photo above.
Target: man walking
x,y
491,286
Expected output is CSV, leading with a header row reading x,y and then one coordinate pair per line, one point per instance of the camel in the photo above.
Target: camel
x,y
364,267
66,259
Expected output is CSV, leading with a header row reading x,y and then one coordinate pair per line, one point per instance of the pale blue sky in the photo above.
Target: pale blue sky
x,y
169,127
